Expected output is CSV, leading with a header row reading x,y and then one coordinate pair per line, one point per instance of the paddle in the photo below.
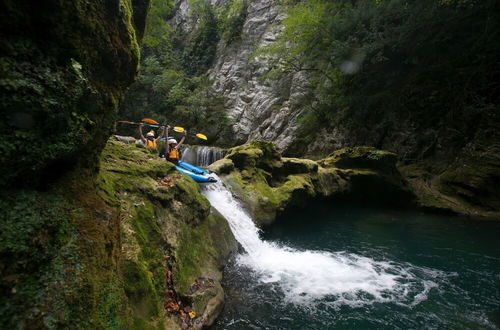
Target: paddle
x,y
133,123
176,128
198,135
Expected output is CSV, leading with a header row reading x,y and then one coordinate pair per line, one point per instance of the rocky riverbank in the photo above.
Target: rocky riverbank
x,y
269,183
173,245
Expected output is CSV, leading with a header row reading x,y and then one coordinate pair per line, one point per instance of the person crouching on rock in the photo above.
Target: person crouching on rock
x,y
173,154
150,141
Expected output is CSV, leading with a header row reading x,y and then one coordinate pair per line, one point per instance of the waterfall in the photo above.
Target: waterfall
x,y
208,155
306,276
202,156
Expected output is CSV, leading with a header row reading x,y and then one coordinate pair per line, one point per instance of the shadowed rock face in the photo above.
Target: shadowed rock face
x,y
65,66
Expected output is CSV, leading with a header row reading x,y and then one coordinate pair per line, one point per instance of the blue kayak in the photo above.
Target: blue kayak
x,y
198,174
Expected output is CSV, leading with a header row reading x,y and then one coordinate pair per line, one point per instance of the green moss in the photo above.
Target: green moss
x,y
222,166
261,154
65,68
297,165
193,253
361,157
140,289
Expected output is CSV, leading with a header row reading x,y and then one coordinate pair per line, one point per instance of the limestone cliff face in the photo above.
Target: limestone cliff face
x,y
258,110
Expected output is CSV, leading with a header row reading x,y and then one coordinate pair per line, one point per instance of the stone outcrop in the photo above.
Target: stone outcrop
x,y
65,67
269,183
173,245
258,109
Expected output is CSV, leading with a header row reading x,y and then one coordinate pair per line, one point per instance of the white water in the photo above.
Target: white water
x,y
310,276
202,156
208,155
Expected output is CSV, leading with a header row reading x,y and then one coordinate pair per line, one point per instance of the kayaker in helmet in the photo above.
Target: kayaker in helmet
x,y
173,154
150,141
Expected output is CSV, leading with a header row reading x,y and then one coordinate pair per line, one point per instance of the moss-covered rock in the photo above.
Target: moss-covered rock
x,y
297,166
268,183
65,66
97,253
361,158
168,227
222,166
261,154
467,186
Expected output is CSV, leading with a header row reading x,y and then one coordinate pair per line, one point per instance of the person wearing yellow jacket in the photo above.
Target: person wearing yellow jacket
x,y
173,154
150,141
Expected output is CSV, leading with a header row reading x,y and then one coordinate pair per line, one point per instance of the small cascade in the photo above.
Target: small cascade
x,y
306,276
202,156
207,155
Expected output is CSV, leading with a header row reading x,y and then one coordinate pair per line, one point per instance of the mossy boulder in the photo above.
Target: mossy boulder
x,y
268,183
466,186
65,67
222,166
361,158
297,166
258,154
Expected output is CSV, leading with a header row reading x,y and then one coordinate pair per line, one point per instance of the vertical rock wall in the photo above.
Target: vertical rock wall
x,y
257,109
65,66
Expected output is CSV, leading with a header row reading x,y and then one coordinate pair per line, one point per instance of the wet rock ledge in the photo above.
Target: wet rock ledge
x,y
269,183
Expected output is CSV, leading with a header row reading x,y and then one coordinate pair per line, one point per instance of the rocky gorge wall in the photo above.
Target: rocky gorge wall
x,y
91,239
452,156
258,109
64,68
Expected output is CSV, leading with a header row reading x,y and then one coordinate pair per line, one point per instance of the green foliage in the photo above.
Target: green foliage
x,y
200,49
232,19
374,64
172,86
158,34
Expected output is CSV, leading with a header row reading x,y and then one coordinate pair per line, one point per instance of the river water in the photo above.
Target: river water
x,y
349,267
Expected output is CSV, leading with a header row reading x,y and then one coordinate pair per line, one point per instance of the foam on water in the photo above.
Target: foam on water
x,y
307,277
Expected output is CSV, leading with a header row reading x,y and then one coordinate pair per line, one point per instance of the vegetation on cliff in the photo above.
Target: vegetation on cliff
x,y
417,77
172,85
